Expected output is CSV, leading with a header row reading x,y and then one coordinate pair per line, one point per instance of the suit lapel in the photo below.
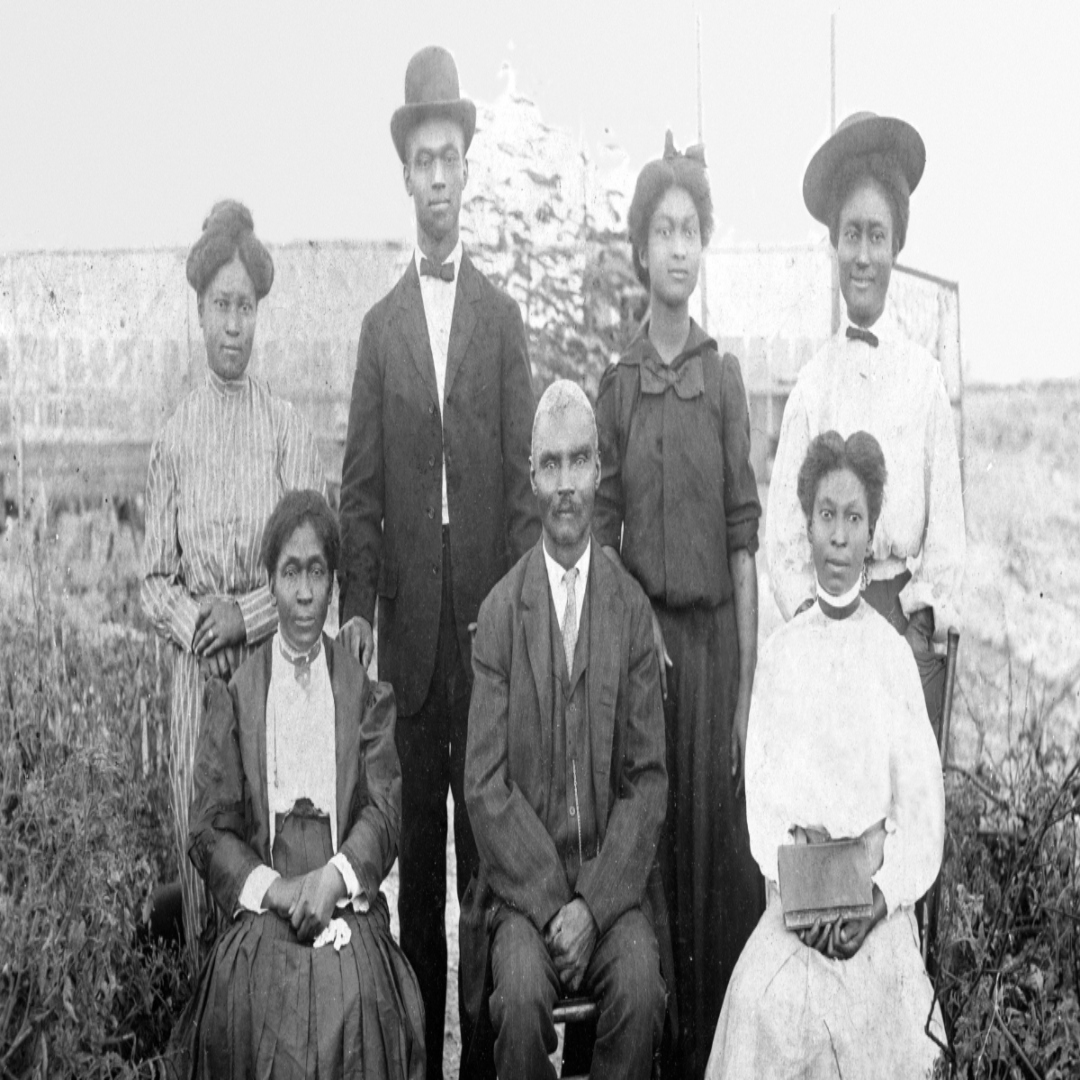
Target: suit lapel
x,y
605,633
414,331
343,683
536,621
466,301
252,686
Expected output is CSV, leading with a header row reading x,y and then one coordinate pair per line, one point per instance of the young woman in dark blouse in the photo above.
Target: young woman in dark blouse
x,y
678,506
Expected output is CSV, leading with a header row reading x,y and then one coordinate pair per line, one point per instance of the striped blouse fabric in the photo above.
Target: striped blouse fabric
x,y
226,456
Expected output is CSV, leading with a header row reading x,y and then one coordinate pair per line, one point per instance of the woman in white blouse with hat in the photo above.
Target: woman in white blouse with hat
x,y
871,377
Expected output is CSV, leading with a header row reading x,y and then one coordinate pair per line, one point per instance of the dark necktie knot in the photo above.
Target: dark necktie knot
x,y
857,333
444,271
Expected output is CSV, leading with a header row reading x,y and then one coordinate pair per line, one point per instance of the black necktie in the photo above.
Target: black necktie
x,y
857,333
445,270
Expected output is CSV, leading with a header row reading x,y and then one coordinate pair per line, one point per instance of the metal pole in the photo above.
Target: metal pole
x,y
703,278
832,73
835,275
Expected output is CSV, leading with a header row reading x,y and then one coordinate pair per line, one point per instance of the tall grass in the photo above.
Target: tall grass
x,y
1008,975
84,835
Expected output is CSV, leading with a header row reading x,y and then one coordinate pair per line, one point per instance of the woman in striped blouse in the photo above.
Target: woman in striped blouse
x,y
217,470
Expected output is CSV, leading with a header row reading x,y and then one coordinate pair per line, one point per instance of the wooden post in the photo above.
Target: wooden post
x,y
835,273
703,278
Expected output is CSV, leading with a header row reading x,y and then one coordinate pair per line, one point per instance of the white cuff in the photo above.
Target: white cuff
x,y
354,895
258,881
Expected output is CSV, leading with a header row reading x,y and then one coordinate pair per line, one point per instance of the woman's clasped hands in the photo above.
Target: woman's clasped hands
x,y
307,901
841,939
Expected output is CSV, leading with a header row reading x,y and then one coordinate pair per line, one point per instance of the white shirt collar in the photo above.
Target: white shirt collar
x,y
454,257
842,600
555,573
885,329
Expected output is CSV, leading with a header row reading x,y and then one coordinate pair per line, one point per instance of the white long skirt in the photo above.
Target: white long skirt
x,y
792,1012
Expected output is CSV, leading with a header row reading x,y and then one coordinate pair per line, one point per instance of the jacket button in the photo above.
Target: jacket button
x,y
431,461
434,570
430,512
431,410
572,811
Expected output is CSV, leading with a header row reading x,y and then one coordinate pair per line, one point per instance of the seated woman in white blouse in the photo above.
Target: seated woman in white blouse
x,y
294,825
838,747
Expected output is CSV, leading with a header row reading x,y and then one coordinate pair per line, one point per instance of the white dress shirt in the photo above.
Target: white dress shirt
x,y
897,393
438,297
301,762
555,573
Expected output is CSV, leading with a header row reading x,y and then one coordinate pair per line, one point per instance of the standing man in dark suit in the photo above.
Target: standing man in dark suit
x,y
435,501
564,777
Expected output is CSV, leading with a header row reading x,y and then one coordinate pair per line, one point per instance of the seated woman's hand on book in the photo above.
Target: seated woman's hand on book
x,y
841,939
848,935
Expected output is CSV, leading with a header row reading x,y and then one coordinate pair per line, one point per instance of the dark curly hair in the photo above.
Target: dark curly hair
x,y
656,179
294,508
884,171
830,452
229,230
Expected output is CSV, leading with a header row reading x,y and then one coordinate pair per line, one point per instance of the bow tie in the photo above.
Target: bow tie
x,y
857,333
301,662
444,271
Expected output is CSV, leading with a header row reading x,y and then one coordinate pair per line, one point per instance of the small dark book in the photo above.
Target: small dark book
x,y
825,881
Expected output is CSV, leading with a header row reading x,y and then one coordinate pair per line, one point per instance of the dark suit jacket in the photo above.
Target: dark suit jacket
x,y
508,760
391,479
230,822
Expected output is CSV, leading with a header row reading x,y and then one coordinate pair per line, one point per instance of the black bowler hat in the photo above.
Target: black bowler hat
x,y
431,89
861,133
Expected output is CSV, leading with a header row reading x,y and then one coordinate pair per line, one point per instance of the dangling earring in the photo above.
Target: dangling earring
x,y
864,578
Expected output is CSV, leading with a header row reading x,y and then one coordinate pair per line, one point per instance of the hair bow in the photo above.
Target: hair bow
x,y
692,153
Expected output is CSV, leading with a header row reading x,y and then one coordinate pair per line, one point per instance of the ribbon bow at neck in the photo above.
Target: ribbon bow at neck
x,y
857,333
301,662
687,380
694,153
444,271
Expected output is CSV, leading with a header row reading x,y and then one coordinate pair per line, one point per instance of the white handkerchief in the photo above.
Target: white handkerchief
x,y
337,933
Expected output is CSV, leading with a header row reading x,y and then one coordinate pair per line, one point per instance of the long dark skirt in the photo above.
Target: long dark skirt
x,y
268,1005
715,892
884,598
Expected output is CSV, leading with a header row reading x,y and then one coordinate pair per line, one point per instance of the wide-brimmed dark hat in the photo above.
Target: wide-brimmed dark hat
x,y
861,133
431,89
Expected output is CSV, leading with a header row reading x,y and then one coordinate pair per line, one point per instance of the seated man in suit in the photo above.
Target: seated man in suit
x,y
565,781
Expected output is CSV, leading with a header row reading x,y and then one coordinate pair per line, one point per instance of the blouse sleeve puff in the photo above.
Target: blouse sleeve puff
x,y
218,817
742,507
768,816
915,824
165,597
371,842
791,571
609,507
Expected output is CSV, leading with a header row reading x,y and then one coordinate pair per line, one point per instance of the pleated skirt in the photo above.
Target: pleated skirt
x,y
269,1005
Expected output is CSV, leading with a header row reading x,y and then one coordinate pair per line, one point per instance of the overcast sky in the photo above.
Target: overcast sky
x,y
121,123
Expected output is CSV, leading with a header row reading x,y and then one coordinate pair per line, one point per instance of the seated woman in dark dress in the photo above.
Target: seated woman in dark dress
x,y
294,825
